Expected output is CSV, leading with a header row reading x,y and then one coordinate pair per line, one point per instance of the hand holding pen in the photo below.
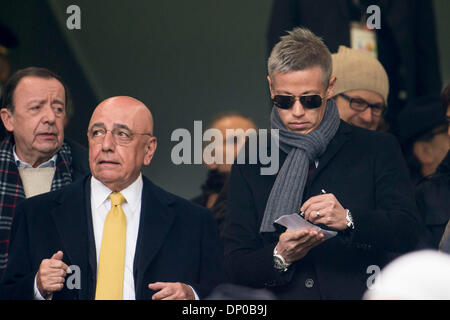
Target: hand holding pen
x,y
302,213
325,209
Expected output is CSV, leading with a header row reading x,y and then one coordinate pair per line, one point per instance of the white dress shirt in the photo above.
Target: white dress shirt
x,y
51,163
100,206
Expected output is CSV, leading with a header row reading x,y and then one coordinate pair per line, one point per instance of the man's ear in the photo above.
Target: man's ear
x,y
423,152
330,91
8,119
270,86
150,148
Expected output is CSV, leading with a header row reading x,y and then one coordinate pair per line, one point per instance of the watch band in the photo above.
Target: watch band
x,y
279,262
349,218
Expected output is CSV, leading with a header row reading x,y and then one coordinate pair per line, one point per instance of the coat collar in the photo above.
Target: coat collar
x,y
157,217
336,143
70,219
340,138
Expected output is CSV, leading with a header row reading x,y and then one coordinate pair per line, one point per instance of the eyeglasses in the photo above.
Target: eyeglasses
x,y
312,101
120,136
361,105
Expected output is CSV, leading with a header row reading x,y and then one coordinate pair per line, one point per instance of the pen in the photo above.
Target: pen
x,y
302,214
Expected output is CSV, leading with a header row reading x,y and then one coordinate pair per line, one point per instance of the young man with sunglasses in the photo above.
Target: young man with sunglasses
x,y
361,89
335,175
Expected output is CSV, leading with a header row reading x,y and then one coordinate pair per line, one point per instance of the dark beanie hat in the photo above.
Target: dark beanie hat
x,y
420,116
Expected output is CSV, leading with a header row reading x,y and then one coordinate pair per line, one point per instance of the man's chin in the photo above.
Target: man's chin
x,y
48,148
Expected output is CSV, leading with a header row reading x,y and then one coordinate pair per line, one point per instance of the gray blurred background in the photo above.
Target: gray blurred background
x,y
186,60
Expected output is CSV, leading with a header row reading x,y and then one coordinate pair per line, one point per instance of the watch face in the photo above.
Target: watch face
x,y
279,263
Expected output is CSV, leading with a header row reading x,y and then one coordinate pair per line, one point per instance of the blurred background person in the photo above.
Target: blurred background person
x,y
361,89
433,192
423,135
218,173
405,43
420,275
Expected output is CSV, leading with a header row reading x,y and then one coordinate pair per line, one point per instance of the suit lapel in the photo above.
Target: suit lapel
x,y
155,223
341,137
71,224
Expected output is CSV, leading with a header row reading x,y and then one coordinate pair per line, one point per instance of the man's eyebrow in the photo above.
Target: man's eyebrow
x,y
361,98
57,101
98,124
115,126
308,92
121,126
40,101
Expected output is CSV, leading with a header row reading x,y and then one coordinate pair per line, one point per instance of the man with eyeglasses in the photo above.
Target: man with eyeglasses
x,y
361,88
113,235
333,175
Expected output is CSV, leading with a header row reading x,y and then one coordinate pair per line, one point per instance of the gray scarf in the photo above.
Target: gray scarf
x,y
287,191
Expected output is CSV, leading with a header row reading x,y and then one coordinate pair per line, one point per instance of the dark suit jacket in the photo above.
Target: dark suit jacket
x,y
433,201
367,173
80,160
177,242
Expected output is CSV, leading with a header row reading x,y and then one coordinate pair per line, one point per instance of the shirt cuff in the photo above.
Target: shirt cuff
x,y
37,294
195,293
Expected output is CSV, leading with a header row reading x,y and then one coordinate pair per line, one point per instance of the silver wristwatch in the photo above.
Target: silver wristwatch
x,y
349,218
278,261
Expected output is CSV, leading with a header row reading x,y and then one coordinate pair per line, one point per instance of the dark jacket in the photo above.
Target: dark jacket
x,y
433,202
177,242
366,172
80,160
12,189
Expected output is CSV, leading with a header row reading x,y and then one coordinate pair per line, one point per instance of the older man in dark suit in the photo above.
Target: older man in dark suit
x,y
344,178
127,238
35,156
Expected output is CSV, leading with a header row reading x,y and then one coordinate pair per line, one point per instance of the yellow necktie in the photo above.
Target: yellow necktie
x,y
112,253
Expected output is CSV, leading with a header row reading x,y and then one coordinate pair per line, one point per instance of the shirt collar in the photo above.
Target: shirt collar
x,y
100,193
51,163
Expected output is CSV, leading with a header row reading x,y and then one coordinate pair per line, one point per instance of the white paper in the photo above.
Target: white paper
x,y
295,222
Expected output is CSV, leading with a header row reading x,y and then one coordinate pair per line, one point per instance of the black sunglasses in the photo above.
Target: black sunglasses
x,y
312,101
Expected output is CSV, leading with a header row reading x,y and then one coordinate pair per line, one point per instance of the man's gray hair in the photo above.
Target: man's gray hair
x,y
300,49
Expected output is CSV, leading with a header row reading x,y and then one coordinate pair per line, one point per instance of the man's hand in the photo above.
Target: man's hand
x,y
171,291
51,275
325,209
293,246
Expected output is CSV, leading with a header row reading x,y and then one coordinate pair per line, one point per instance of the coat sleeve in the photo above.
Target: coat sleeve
x,y
211,273
394,225
248,259
18,280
